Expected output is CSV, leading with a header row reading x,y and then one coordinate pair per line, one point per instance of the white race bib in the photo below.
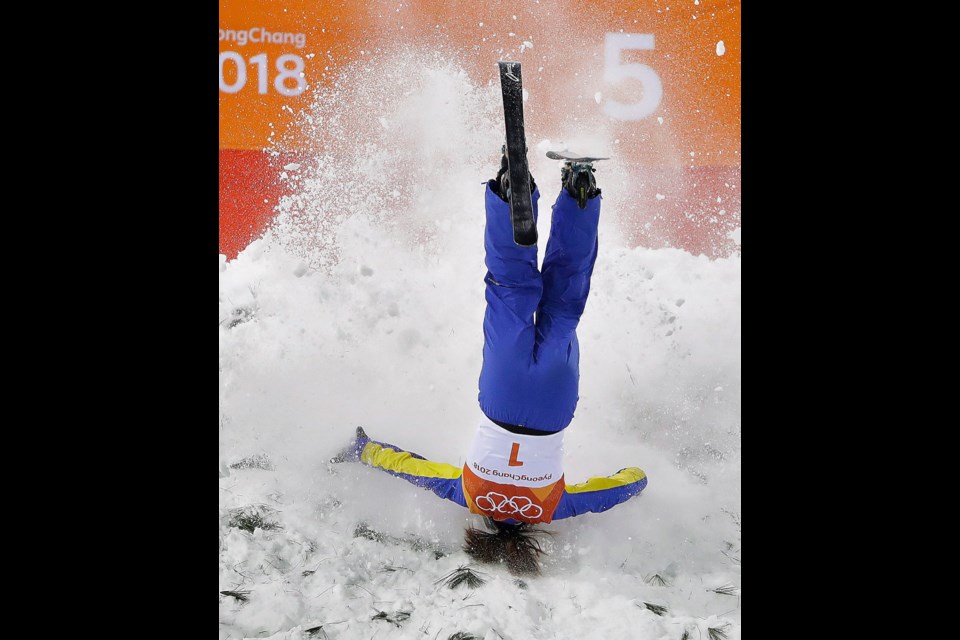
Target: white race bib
x,y
499,456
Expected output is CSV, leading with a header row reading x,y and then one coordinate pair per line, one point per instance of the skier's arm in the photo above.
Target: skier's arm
x,y
599,494
440,478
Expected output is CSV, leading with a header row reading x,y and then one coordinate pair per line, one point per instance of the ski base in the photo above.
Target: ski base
x,y
521,202
572,157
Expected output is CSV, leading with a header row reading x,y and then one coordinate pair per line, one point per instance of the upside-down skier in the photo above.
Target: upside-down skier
x,y
529,384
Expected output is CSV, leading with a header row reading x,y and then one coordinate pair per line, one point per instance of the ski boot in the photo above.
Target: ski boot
x,y
577,178
501,184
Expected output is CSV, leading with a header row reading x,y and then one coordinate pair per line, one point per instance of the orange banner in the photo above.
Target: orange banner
x,y
662,76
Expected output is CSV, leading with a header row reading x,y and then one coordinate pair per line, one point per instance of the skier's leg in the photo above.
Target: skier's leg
x,y
513,289
567,267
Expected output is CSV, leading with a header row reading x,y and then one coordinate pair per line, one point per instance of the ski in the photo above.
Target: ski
x,y
521,202
571,157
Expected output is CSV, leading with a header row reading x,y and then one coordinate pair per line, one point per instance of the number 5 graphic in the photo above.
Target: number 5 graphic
x,y
614,71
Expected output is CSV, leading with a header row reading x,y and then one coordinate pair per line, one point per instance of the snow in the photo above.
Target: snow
x,y
363,306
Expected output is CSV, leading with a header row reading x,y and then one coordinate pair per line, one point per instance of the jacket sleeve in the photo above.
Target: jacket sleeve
x,y
597,494
440,478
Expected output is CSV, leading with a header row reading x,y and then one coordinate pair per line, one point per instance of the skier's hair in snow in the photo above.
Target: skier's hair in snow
x,y
515,545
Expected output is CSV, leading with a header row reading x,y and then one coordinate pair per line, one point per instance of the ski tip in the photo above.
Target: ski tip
x,y
510,70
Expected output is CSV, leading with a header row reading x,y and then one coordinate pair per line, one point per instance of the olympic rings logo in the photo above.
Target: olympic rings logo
x,y
499,503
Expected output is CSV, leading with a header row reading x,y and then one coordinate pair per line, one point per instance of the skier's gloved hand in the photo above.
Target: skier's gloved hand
x,y
351,453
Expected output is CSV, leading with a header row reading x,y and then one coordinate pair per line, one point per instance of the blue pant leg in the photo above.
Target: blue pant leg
x,y
513,289
567,268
